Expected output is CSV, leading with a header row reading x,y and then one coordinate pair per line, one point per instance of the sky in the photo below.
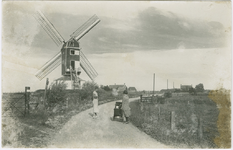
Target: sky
x,y
182,42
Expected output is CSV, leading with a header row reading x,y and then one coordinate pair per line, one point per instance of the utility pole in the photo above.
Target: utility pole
x,y
154,84
167,84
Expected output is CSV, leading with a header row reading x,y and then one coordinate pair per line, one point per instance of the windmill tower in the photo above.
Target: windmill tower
x,y
70,57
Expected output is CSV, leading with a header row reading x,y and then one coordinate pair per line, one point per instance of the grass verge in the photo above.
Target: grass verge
x,y
195,121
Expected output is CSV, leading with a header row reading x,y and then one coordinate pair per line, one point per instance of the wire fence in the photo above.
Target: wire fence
x,y
194,118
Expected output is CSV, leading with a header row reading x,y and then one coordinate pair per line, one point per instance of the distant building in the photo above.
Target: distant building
x,y
119,88
132,89
185,88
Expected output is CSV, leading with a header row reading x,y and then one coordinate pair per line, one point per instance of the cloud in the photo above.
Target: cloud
x,y
150,29
188,67
172,28
154,29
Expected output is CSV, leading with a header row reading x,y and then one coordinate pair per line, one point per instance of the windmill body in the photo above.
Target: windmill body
x,y
70,57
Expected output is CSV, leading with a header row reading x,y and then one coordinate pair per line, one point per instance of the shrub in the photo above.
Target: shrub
x,y
56,93
87,90
106,88
199,87
74,97
167,94
104,95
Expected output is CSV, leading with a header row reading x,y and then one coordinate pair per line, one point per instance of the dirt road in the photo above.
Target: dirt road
x,y
82,131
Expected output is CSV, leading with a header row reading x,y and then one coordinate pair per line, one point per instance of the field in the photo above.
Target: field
x,y
195,122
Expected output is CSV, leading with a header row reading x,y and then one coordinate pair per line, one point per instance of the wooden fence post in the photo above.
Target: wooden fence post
x,y
45,93
159,114
27,99
172,120
25,107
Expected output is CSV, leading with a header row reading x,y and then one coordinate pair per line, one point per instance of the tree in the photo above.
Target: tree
x,y
192,91
57,93
87,89
106,88
102,86
199,87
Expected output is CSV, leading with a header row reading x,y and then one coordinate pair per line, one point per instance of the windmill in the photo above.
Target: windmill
x,y
71,58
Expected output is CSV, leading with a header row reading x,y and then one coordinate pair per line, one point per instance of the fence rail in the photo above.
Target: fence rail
x,y
147,99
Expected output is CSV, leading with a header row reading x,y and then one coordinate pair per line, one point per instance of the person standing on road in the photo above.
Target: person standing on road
x,y
95,103
125,106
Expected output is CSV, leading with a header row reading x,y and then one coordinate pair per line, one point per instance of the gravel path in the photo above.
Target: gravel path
x,y
82,131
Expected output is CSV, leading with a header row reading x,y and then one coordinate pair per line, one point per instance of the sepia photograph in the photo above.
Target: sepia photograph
x,y
116,74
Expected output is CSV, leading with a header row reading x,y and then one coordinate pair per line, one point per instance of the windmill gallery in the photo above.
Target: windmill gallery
x,y
71,58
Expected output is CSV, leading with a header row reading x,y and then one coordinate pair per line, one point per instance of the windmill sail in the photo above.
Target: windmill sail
x,y
77,35
85,28
56,61
49,66
87,67
58,40
49,28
